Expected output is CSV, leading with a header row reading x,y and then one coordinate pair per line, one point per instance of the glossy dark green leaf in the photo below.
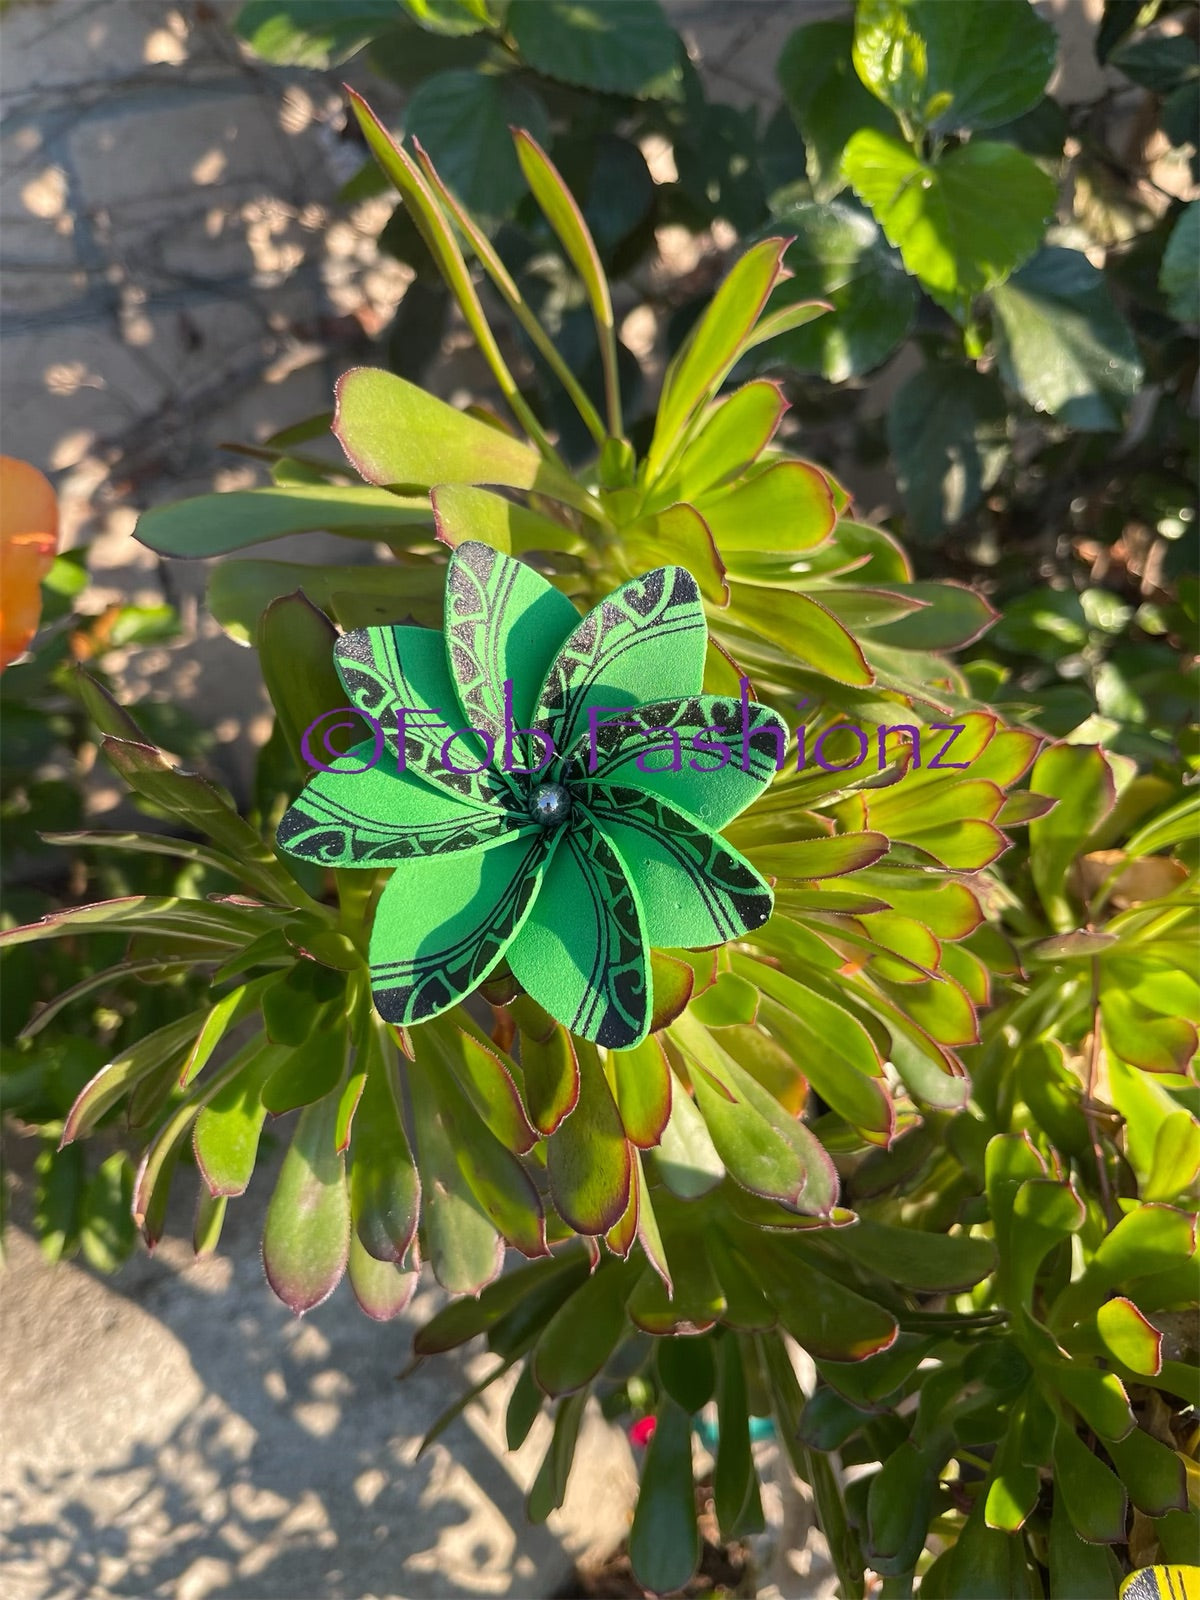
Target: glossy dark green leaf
x,y
524,1405
311,33
981,1564
1153,1473
827,99
840,255
954,66
664,1542
306,1239
918,1259
946,429
1180,270
829,1419
1062,343
622,47
831,1322
462,118
1158,61
1078,1570
746,1306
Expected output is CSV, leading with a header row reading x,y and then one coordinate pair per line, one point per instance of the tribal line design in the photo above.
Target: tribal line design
x,y
561,873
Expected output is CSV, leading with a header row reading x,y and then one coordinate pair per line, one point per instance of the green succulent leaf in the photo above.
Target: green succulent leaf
x,y
394,433
588,1158
583,1333
1094,1498
306,1241
664,1542
227,1130
215,524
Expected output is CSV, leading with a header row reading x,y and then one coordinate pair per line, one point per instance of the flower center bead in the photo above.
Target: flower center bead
x,y
550,804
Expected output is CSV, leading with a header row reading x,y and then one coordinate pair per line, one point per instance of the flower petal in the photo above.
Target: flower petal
x,y
443,923
28,541
356,815
695,888
582,953
645,641
713,794
503,621
390,669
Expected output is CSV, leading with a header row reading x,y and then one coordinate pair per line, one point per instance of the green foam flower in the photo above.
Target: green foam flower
x,y
571,873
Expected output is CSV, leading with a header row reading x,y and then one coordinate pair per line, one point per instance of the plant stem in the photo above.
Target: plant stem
x,y
612,381
1093,1069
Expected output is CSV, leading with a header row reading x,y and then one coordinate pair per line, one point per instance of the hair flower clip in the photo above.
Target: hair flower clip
x,y
548,790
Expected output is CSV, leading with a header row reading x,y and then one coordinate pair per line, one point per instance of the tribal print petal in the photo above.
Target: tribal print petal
x,y
443,923
645,640
696,889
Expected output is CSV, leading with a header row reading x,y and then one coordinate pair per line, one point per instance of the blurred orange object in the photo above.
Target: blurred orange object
x,y
28,542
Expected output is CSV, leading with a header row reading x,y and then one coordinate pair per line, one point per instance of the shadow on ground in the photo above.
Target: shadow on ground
x,y
174,1430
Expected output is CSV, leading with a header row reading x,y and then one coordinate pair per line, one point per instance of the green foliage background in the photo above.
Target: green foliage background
x,y
999,1294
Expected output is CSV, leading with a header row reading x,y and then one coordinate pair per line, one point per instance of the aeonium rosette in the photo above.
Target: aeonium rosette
x,y
523,804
